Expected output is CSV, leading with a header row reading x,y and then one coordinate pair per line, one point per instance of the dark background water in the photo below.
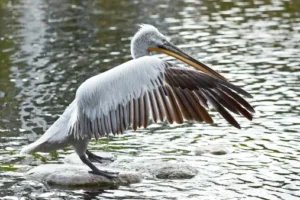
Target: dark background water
x,y
48,48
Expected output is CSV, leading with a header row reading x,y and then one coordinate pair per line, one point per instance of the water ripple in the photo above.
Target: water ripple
x,y
48,48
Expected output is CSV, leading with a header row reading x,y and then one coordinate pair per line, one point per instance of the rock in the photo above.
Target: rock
x,y
200,151
158,167
212,149
74,173
77,175
218,150
175,171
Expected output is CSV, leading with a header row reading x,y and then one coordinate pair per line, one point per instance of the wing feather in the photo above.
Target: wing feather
x,y
175,108
221,109
107,124
126,115
195,105
182,103
153,107
235,104
201,98
135,116
113,120
204,114
238,98
189,103
146,107
126,95
160,108
221,100
141,111
166,104
96,129
102,121
121,119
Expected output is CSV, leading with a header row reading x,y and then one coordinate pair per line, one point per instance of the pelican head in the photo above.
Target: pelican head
x,y
149,39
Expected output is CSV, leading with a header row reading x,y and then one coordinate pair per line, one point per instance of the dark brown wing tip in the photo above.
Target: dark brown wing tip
x,y
249,95
237,126
210,122
246,94
250,118
236,88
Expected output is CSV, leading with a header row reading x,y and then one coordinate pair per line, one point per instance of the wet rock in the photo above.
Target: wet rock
x,y
175,171
158,168
77,175
218,151
212,149
148,166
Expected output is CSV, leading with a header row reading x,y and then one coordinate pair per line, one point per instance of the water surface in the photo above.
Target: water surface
x,y
48,48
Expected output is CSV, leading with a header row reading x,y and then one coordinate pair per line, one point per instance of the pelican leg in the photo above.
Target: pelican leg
x,y
94,158
97,171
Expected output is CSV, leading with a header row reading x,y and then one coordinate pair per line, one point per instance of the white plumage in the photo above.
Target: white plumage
x,y
125,96
102,93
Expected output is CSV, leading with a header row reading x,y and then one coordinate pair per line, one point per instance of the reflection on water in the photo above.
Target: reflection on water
x,y
48,48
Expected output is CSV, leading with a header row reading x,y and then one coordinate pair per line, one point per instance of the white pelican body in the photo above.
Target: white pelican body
x,y
129,94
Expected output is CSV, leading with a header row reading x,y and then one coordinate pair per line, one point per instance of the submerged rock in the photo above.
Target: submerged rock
x,y
175,171
77,175
158,168
212,149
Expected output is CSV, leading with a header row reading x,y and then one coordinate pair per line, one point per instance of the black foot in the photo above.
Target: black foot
x,y
94,158
107,174
95,170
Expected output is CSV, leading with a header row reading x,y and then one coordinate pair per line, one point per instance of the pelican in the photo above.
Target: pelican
x,y
127,95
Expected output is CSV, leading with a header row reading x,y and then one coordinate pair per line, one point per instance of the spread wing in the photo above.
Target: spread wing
x,y
132,92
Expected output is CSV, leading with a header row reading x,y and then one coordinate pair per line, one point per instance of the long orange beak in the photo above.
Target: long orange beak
x,y
175,52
